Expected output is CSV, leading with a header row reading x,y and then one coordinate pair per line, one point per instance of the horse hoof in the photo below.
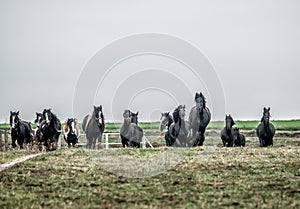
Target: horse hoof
x,y
100,145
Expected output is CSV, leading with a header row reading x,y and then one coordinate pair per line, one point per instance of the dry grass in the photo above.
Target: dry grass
x,y
209,178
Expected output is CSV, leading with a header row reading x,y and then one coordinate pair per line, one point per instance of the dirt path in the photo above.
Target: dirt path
x,y
18,160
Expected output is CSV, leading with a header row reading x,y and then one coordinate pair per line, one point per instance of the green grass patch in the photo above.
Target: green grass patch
x,y
231,177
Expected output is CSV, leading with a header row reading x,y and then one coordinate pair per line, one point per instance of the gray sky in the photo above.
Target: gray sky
x,y
253,46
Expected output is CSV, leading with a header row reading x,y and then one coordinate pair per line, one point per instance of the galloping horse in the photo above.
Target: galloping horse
x,y
136,132
50,129
131,134
125,128
227,132
179,129
265,130
165,121
199,118
71,131
238,138
20,130
40,122
93,125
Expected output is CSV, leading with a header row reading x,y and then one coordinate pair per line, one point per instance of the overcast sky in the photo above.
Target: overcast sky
x,y
254,46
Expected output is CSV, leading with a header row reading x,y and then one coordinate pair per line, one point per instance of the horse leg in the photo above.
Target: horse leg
x,y
202,138
167,139
20,142
224,142
123,141
94,143
87,143
99,144
13,142
198,141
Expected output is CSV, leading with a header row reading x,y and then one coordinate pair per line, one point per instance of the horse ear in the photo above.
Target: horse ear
x,y
36,113
265,108
201,94
18,112
101,107
168,113
137,112
94,107
269,109
11,112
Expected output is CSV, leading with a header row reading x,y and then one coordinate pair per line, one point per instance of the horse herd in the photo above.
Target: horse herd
x,y
180,133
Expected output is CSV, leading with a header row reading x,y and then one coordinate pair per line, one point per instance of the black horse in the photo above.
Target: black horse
x,y
124,131
135,131
39,119
50,129
265,130
93,125
20,130
199,118
179,129
165,121
238,138
227,132
37,132
71,131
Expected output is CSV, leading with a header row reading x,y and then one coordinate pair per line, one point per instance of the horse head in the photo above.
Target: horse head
x,y
47,114
134,117
229,122
200,101
14,119
127,117
39,119
164,120
98,114
71,125
266,116
179,113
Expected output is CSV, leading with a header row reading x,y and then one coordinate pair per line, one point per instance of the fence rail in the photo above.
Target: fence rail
x,y
4,132
144,142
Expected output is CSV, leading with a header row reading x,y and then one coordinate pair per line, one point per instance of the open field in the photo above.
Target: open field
x,y
232,177
279,124
205,177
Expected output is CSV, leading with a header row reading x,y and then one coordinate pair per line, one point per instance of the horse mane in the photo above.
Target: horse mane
x,y
103,122
66,127
176,113
54,118
170,118
203,98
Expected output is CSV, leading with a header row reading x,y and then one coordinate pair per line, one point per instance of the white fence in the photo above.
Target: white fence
x,y
106,142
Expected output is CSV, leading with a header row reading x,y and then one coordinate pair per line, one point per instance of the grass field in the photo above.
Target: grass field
x,y
205,177
279,124
241,177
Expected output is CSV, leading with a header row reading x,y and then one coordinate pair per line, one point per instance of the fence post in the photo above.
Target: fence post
x,y
1,141
6,139
143,142
106,141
